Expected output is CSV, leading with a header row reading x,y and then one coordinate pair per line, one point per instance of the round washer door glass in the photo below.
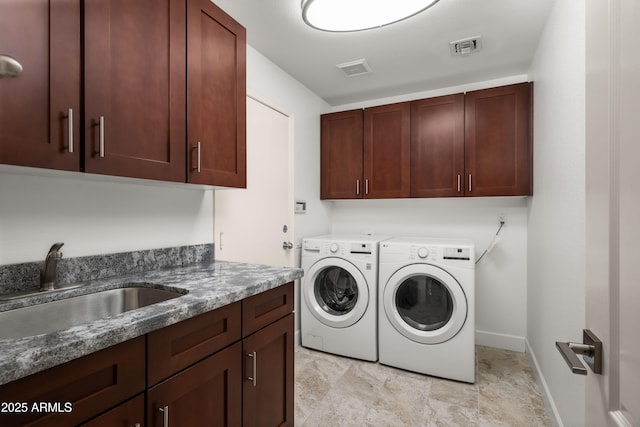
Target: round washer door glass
x,y
425,303
335,292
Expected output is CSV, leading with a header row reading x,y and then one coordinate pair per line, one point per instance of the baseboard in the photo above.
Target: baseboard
x,y
503,341
549,404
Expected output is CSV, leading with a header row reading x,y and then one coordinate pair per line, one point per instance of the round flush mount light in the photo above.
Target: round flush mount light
x,y
358,15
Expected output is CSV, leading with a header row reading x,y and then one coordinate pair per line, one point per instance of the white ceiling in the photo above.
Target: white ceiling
x,y
410,56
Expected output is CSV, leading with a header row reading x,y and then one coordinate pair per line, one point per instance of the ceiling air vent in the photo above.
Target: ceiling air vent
x,y
465,46
355,68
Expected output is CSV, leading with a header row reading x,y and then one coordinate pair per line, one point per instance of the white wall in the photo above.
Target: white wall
x,y
556,249
94,215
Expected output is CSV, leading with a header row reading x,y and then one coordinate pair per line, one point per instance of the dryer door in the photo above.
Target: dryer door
x,y
335,292
425,303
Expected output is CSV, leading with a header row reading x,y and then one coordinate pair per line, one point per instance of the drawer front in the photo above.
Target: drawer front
x,y
178,346
71,393
130,413
265,308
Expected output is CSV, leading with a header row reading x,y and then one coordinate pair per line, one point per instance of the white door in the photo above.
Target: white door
x,y
613,209
252,224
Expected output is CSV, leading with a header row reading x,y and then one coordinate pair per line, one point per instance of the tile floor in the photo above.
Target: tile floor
x,y
338,391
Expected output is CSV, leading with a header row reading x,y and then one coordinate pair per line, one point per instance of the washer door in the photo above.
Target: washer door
x,y
335,292
425,303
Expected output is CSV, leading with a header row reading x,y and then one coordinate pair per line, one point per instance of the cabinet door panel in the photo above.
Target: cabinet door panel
x,y
44,36
437,146
128,414
268,401
498,141
92,384
341,155
264,308
135,79
207,394
386,151
216,96
180,345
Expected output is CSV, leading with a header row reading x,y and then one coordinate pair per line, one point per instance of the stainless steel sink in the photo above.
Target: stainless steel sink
x,y
77,310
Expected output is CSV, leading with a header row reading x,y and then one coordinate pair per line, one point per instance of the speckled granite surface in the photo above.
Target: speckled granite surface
x,y
210,285
26,276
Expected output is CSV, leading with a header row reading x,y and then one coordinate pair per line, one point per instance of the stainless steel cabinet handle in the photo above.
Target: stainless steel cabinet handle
x,y
198,156
9,66
70,128
469,182
101,136
165,416
458,183
366,187
137,425
254,360
357,187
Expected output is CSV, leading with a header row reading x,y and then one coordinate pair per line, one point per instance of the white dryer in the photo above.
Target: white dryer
x,y
338,309
427,306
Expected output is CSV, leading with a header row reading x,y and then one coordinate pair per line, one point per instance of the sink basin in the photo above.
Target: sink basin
x,y
77,310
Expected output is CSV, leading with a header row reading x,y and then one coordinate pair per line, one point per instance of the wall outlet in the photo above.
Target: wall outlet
x,y
502,217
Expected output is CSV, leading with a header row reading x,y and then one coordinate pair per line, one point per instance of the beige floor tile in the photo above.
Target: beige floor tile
x,y
338,391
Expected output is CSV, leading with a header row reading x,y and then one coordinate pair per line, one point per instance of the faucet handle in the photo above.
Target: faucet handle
x,y
56,247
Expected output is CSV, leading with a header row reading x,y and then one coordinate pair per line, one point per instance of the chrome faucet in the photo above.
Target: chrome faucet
x,y
49,269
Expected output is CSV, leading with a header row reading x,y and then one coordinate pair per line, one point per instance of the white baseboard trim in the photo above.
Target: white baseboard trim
x,y
549,404
503,341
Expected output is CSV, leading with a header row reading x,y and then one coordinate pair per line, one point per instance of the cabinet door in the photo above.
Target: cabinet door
x,y
207,394
268,376
135,88
386,151
35,127
437,146
498,141
216,93
341,155
128,414
79,389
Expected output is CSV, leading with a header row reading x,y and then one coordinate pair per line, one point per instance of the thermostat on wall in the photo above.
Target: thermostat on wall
x,y
300,207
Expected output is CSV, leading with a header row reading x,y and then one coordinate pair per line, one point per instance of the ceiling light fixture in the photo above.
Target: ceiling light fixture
x,y
358,15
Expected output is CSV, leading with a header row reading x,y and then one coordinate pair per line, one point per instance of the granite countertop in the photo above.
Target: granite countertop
x,y
210,285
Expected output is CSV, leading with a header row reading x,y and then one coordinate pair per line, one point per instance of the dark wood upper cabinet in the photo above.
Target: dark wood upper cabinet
x,y
474,144
437,146
498,141
341,155
35,128
216,96
135,102
386,151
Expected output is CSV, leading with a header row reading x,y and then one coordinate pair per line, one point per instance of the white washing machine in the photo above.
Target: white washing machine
x,y
427,306
338,310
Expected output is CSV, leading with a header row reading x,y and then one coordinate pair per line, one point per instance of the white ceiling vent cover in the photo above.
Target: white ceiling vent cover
x,y
355,68
465,46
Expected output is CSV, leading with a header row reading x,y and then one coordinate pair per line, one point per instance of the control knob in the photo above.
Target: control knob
x,y
423,252
334,248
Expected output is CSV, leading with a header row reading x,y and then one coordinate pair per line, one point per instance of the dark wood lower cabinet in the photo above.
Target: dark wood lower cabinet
x,y
207,394
268,385
127,414
198,372
77,390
